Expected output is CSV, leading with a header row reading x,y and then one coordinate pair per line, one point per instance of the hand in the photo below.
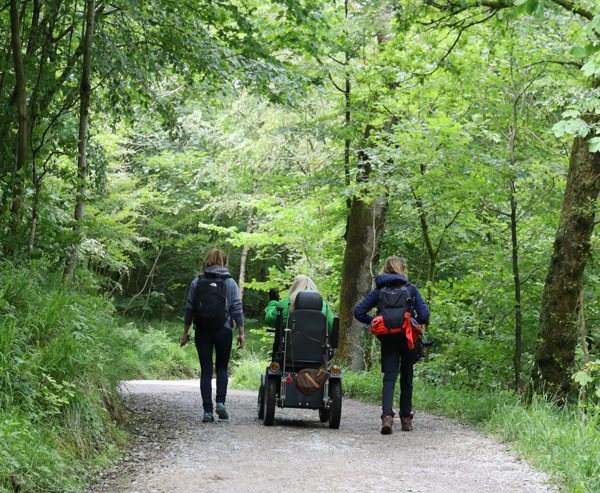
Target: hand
x,y
185,338
240,340
274,294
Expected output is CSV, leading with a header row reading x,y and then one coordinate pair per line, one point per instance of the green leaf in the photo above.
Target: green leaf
x,y
538,13
578,51
592,67
595,24
571,114
594,144
574,126
582,378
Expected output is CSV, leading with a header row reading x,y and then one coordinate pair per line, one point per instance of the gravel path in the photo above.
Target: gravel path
x,y
173,451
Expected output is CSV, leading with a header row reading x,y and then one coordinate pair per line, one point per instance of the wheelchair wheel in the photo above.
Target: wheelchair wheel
x,y
323,415
335,409
261,401
270,398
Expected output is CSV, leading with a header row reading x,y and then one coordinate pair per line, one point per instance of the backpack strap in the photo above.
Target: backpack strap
x,y
413,296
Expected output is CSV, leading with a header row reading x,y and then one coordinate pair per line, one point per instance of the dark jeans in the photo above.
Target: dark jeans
x,y
206,340
396,357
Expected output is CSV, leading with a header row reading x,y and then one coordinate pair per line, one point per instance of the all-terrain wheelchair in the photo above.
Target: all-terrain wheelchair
x,y
305,342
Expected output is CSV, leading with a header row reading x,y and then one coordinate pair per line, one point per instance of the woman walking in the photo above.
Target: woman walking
x,y
396,355
214,305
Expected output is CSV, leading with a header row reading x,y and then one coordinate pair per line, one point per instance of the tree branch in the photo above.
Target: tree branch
x,y
557,62
568,5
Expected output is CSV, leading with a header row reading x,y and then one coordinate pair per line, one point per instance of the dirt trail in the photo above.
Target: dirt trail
x,y
173,451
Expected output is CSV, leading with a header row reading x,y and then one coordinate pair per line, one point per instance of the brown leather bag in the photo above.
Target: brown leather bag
x,y
310,380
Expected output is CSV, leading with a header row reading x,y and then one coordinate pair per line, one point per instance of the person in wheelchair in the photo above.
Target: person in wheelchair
x,y
301,374
288,304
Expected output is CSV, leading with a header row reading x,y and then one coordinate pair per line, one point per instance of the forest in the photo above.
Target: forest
x,y
301,137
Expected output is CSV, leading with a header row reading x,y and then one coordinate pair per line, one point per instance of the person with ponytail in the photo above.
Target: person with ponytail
x,y
396,355
215,306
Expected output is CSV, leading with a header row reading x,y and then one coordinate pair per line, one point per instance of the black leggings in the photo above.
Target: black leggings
x,y
396,357
220,340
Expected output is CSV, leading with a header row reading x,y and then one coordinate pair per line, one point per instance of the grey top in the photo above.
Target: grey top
x,y
232,296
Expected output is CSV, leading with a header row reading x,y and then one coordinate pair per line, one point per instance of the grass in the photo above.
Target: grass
x,y
61,356
559,440
158,355
156,351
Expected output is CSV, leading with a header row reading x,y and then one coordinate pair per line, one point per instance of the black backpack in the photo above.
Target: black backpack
x,y
394,301
210,302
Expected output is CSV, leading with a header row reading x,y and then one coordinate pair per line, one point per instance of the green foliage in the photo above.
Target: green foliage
x,y
60,361
558,440
153,351
588,379
247,371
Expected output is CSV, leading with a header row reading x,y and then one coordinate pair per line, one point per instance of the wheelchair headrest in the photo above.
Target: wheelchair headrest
x,y
309,300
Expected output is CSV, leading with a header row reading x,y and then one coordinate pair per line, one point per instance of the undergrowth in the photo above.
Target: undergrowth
x,y
62,354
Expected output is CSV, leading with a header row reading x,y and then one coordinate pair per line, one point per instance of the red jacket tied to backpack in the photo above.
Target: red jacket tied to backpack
x,y
410,327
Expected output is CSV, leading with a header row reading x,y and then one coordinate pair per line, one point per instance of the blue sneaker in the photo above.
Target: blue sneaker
x,y
208,417
222,411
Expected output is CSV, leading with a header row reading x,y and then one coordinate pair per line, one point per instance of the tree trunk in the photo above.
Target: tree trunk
x,y
34,214
512,148
365,227
347,113
558,330
85,93
18,183
431,252
244,258
517,283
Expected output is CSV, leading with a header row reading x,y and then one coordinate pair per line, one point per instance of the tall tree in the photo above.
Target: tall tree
x,y
559,317
555,353
85,92
18,178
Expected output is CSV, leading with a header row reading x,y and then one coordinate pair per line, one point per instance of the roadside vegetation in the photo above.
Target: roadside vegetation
x,y
62,354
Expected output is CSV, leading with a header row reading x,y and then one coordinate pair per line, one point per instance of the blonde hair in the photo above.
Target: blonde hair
x,y
395,265
301,283
215,257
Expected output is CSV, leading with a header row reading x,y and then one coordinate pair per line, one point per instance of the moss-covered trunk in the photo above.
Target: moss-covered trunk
x,y
365,226
558,330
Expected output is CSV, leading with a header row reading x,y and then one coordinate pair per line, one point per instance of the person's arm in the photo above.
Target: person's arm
x,y
189,314
361,312
236,311
271,313
421,308
330,316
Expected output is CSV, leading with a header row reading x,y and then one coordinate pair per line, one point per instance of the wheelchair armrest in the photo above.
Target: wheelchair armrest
x,y
335,333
